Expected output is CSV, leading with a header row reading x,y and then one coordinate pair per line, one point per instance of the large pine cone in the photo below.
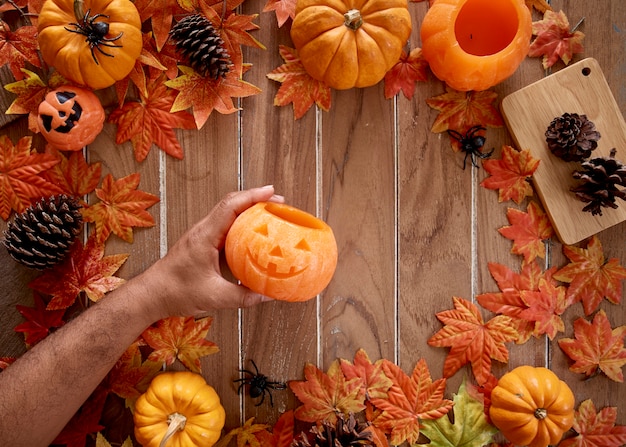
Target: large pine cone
x,y
201,46
345,433
601,177
572,137
42,235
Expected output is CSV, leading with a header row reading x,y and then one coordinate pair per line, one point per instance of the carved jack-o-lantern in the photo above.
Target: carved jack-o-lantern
x,y
281,252
70,118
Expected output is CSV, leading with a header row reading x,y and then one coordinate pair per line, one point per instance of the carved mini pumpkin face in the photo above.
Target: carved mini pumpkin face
x,y
70,118
281,252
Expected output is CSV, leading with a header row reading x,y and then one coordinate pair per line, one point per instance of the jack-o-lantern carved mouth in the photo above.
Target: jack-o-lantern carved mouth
x,y
271,269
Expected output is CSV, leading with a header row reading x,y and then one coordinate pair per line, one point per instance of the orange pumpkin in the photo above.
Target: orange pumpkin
x,y
281,252
475,44
90,42
70,118
350,44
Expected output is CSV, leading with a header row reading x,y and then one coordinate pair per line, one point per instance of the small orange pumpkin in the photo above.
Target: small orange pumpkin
x,y
475,44
70,118
532,407
281,252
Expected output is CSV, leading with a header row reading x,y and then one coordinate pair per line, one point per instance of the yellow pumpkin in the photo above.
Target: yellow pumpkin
x,y
179,409
532,407
90,42
347,43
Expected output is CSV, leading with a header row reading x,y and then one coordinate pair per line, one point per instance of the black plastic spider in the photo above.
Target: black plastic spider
x,y
259,384
471,144
95,32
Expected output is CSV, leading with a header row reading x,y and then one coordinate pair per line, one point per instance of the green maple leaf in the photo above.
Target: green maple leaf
x,y
470,426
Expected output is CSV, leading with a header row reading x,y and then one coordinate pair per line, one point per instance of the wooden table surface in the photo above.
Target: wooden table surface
x,y
413,228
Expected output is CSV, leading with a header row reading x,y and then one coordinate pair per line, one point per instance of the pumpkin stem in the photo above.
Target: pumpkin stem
x,y
79,10
353,19
541,413
175,422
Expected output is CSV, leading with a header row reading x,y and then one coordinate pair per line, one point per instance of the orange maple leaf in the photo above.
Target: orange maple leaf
x,y
596,347
324,395
247,435
73,174
284,9
85,269
205,95
297,86
374,381
151,120
471,340
595,429
282,434
18,47
410,69
182,338
161,14
540,5
411,399
528,230
121,208
21,175
130,376
510,174
554,39
590,276
39,320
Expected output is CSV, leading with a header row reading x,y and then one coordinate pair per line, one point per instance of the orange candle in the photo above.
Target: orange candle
x,y
475,44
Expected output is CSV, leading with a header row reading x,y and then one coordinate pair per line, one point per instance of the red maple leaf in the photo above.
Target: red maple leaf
x,y
18,47
85,269
284,9
590,276
151,120
84,423
21,179
510,174
595,429
122,206
39,320
410,399
410,69
554,39
297,86
182,338
471,340
282,432
596,347
528,231
73,174
373,379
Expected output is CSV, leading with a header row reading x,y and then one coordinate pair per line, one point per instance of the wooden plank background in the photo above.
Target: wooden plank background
x,y
413,228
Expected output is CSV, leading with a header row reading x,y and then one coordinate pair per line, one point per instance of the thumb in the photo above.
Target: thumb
x,y
239,296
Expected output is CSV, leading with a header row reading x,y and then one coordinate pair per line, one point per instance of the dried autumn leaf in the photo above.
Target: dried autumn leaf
x,y
596,347
85,269
121,208
18,47
595,429
590,276
73,174
297,86
554,39
182,338
408,70
39,321
284,10
471,340
528,230
373,379
510,174
411,400
324,395
246,435
21,179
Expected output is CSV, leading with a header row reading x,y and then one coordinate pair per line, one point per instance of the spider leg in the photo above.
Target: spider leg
x,y
112,39
454,134
472,130
97,47
262,398
79,30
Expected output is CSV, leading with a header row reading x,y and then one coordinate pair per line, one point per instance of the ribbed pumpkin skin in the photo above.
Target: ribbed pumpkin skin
x,y
70,54
344,58
483,48
519,394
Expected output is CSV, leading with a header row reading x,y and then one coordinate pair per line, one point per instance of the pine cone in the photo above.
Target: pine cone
x,y
572,137
342,434
601,176
201,46
41,236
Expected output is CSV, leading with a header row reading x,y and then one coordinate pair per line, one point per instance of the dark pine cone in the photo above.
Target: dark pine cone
x,y
601,176
345,433
572,137
201,46
41,236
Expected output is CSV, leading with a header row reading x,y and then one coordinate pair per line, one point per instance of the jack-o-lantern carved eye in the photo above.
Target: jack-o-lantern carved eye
x,y
68,111
262,230
303,245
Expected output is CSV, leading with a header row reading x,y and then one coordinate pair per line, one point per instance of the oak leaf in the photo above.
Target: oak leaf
x,y
73,174
411,400
596,347
18,47
297,86
471,340
373,379
510,174
590,276
595,429
284,10
410,69
554,39
182,338
39,320
528,230
85,269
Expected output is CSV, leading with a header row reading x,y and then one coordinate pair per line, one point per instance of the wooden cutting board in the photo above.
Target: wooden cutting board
x,y
580,88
